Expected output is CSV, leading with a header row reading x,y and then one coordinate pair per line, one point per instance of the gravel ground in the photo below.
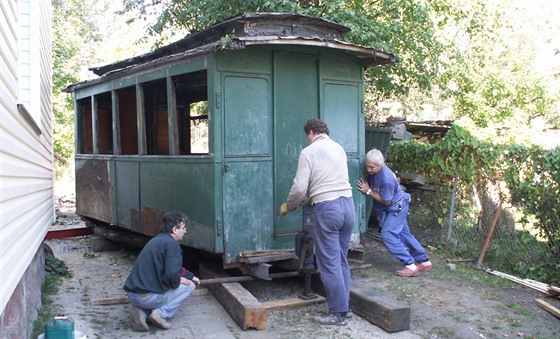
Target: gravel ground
x,y
463,303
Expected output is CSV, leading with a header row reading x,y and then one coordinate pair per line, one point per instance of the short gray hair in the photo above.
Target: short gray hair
x,y
375,156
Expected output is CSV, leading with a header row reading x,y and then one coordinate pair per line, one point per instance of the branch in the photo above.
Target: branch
x,y
60,158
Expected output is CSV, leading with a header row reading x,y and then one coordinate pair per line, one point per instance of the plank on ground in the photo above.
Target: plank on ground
x,y
241,305
124,299
110,301
276,305
380,310
548,307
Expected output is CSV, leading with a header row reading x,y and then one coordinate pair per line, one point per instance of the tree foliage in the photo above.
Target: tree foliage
x,y
461,50
485,74
401,27
65,70
75,36
81,29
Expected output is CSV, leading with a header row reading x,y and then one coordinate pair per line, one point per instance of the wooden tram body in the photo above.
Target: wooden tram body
x,y
212,125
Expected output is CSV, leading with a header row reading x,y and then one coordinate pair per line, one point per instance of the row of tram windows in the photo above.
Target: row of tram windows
x,y
191,104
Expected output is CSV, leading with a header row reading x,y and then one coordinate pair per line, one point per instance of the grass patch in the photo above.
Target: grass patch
x,y
444,332
56,272
518,309
515,323
455,316
372,272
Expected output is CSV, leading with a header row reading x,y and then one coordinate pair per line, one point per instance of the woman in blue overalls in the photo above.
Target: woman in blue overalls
x,y
390,202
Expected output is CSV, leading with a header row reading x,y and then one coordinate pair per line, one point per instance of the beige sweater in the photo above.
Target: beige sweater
x,y
322,173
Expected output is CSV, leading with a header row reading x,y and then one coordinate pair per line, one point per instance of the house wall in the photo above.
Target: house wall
x,y
26,159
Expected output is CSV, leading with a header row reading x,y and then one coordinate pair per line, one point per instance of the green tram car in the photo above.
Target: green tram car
x,y
212,125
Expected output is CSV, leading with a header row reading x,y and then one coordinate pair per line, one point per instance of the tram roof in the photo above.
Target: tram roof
x,y
245,30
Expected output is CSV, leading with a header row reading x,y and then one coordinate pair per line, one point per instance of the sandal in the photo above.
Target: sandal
x,y
407,272
424,267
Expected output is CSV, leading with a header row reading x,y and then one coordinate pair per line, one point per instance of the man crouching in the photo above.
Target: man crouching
x,y
155,286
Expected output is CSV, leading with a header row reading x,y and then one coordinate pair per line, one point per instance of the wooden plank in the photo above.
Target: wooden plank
x,y
553,290
241,305
276,305
124,299
68,233
265,257
121,236
110,301
538,286
412,179
380,310
199,291
548,307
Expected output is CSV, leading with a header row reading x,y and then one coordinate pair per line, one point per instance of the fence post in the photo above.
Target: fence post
x,y
490,232
452,209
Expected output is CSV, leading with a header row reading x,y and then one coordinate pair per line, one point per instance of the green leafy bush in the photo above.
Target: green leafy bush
x,y
525,179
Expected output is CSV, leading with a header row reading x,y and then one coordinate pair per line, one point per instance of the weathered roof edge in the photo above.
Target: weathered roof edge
x,y
216,32
206,42
367,55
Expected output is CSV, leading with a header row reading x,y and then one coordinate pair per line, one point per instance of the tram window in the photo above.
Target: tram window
x,y
155,109
84,130
128,121
199,127
192,111
104,123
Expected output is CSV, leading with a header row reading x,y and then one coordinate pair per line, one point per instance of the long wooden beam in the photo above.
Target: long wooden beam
x,y
241,305
68,233
380,310
548,307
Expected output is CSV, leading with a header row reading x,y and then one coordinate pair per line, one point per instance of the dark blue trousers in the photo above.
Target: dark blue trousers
x,y
331,229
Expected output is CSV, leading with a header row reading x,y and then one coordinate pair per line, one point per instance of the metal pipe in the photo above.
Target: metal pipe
x,y
452,209
247,278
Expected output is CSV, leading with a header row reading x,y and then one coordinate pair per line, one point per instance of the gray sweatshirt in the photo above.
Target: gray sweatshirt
x,y
322,173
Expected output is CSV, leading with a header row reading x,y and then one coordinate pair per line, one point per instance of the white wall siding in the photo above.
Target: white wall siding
x,y
26,154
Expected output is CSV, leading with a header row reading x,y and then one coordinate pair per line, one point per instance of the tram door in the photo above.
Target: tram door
x,y
247,171
296,93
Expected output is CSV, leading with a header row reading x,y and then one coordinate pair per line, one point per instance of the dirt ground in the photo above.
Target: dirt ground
x,y
445,303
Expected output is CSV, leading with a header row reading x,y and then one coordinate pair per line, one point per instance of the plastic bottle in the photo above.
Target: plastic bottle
x,y
59,327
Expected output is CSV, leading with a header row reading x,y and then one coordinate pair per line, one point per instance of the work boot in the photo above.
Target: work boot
x,y
138,320
329,319
157,320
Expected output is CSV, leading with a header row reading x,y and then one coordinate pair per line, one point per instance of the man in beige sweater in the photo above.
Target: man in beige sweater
x,y
322,182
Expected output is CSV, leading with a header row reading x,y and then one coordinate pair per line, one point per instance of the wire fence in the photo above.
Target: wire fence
x,y
501,238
